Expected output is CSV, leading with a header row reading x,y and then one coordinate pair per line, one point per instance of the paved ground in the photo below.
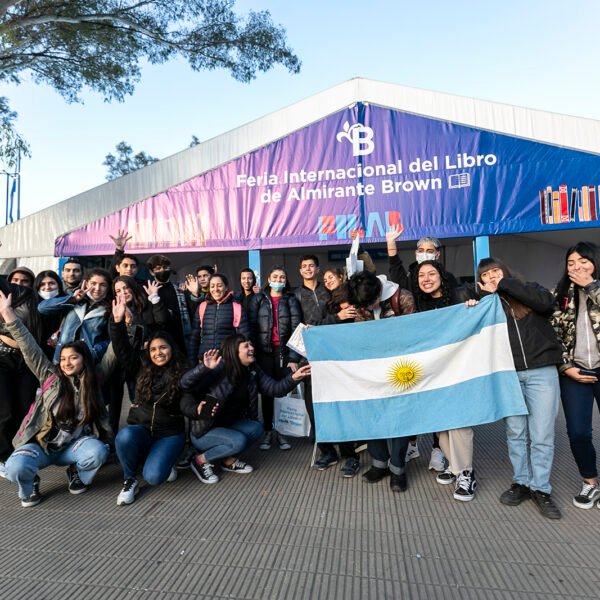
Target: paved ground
x,y
289,532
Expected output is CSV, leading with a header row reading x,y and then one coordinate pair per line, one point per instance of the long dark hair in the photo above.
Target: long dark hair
x,y
586,250
235,371
139,298
423,300
519,309
169,374
88,390
37,282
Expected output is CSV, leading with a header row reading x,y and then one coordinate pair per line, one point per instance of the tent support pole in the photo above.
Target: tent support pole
x,y
254,263
481,249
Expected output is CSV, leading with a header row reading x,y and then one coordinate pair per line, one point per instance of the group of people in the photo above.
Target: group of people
x,y
198,358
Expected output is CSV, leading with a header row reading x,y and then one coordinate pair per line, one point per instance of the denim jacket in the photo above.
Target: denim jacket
x,y
77,324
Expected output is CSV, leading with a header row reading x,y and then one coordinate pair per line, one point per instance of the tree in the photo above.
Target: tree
x,y
125,161
99,44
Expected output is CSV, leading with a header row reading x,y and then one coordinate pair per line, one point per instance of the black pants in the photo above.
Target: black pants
x,y
17,392
346,448
272,365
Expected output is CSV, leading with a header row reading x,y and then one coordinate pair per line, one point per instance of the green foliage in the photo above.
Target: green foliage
x,y
11,142
125,161
99,44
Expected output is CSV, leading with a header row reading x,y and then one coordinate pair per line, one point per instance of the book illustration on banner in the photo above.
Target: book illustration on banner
x,y
558,206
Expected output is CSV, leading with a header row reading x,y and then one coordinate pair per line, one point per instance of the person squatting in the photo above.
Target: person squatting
x,y
199,358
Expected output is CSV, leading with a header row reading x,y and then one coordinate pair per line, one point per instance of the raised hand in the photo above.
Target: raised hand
x,y
211,358
394,233
119,308
152,288
81,291
121,239
192,285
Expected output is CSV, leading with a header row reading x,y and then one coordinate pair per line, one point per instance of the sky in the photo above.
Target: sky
x,y
537,54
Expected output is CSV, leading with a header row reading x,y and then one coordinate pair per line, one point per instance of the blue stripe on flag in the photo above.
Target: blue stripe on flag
x,y
474,402
412,333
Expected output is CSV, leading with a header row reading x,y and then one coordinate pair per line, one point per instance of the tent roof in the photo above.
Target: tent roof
x,y
35,235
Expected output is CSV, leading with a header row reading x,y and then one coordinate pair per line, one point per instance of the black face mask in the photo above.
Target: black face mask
x,y
163,276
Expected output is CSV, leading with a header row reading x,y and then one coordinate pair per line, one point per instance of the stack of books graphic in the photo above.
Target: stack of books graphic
x,y
561,207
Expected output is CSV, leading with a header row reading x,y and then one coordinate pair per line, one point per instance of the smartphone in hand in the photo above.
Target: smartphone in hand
x,y
588,372
209,403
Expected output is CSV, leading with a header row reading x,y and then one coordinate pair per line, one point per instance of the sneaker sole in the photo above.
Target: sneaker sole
x,y
285,448
586,506
463,498
436,468
325,467
264,448
77,492
124,503
29,504
203,480
445,481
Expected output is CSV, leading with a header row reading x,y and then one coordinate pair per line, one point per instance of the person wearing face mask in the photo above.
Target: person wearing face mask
x,y
180,326
217,317
428,248
21,276
48,285
274,315
85,314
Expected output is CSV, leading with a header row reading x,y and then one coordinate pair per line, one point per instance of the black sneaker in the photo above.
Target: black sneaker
x,y
204,471
76,486
35,497
325,461
446,477
465,486
350,468
587,496
515,495
545,505
375,474
398,483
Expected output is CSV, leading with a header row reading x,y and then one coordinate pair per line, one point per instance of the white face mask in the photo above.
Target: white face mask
x,y
423,256
48,295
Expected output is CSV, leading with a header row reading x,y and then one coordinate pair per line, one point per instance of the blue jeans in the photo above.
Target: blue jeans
x,y
135,444
390,453
530,437
222,442
87,453
578,403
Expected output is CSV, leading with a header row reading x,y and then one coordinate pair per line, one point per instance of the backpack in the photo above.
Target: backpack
x,y
237,313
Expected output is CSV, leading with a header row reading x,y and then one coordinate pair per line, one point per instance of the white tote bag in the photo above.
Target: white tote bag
x,y
290,415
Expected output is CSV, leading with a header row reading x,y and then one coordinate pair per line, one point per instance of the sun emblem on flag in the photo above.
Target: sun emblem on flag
x,y
404,374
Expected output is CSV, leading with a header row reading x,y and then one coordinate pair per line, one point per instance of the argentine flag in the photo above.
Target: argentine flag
x,y
431,371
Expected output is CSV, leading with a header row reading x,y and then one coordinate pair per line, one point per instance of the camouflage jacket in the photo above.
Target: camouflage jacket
x,y
564,320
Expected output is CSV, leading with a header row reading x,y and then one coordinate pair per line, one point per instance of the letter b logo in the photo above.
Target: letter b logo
x,y
360,136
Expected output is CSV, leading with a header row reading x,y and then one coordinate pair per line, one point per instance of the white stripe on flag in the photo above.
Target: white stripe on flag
x,y
480,355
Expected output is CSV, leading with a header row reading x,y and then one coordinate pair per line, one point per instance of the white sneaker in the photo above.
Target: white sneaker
x,y
2,469
412,451
437,462
131,489
172,475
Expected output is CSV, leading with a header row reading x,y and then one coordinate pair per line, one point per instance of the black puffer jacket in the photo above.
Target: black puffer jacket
x,y
533,341
200,381
261,321
162,414
216,325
